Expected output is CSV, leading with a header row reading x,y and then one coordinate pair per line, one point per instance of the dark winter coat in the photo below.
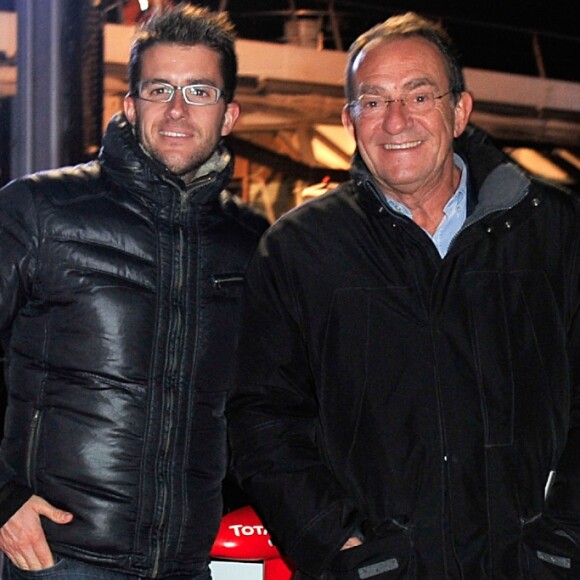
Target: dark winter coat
x,y
119,296
420,401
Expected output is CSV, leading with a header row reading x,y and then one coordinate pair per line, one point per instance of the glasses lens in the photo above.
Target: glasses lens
x,y
155,91
420,101
201,94
371,105
416,102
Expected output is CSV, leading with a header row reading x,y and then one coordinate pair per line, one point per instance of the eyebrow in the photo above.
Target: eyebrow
x,y
408,86
202,81
420,82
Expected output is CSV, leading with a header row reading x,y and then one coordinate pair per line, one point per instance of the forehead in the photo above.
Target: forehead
x,y
181,63
398,62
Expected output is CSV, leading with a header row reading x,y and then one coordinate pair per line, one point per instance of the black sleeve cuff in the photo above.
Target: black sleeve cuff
x,y
12,498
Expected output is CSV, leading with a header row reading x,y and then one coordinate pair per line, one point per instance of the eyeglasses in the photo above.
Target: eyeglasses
x,y
159,92
416,102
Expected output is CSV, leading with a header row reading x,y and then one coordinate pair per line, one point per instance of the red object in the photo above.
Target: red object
x,y
242,537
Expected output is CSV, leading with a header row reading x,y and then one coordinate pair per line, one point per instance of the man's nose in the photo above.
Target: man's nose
x,y
177,106
395,116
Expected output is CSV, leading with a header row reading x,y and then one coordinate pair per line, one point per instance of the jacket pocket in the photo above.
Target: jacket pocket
x,y
551,550
380,559
31,449
227,284
519,366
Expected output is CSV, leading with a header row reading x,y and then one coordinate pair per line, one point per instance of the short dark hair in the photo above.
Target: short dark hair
x,y
188,25
408,25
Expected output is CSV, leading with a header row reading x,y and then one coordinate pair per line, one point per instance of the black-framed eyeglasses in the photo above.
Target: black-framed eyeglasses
x,y
417,102
161,92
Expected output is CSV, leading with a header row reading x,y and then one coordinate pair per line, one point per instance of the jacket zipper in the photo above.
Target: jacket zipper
x,y
172,372
30,452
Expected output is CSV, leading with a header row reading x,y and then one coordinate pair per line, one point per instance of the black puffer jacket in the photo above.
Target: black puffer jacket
x,y
421,400
119,295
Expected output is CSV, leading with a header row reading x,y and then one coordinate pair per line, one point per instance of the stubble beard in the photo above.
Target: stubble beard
x,y
186,168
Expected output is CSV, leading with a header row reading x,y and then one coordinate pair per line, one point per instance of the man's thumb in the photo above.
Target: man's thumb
x,y
60,517
54,514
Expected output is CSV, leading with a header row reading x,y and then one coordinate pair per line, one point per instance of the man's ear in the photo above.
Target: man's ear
x,y
348,122
463,110
230,117
129,108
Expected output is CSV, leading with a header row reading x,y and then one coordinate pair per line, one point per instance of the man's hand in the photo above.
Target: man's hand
x,y
22,538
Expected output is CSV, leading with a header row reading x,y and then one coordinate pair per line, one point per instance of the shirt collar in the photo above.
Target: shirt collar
x,y
455,211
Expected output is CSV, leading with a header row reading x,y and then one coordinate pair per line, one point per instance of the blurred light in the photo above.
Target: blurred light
x,y
144,5
569,157
539,164
338,155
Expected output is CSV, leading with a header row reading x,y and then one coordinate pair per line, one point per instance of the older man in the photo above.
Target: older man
x,y
408,367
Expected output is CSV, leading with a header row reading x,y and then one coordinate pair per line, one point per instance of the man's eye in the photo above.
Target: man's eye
x,y
160,90
198,92
420,98
370,103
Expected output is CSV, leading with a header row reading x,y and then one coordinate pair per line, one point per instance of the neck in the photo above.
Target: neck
x,y
427,206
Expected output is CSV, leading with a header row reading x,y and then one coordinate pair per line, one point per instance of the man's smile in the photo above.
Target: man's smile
x,y
399,146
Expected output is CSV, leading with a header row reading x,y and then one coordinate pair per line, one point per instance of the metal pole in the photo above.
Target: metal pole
x,y
36,107
47,115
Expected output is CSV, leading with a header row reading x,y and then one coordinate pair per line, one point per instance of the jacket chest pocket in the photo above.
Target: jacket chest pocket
x,y
228,284
521,364
218,331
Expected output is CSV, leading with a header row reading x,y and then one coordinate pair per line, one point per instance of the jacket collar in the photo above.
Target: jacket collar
x,y
129,166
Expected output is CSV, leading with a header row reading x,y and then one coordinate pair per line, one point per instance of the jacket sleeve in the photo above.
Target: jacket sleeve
x,y
18,237
18,240
563,501
274,427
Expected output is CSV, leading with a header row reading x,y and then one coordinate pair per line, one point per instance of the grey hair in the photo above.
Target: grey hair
x,y
407,25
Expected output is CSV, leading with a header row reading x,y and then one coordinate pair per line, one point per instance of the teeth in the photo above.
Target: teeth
x,y
395,146
172,134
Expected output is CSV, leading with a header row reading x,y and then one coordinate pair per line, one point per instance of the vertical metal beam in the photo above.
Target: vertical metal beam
x,y
47,116
539,56
37,140
334,26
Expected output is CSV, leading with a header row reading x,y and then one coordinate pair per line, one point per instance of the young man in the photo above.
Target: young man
x,y
120,284
408,365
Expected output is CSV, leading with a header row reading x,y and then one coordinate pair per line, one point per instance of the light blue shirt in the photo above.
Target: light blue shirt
x,y
454,212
